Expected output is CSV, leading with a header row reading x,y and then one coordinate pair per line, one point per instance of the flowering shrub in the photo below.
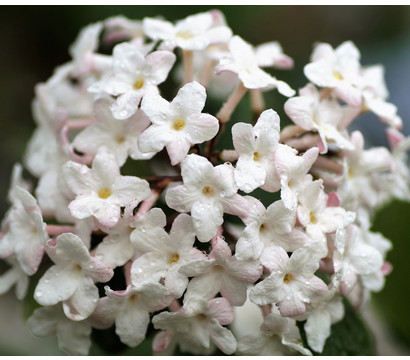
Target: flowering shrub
x,y
184,241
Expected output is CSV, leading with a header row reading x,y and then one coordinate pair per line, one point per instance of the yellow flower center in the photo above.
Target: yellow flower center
x,y
174,258
313,219
262,227
178,124
288,277
104,193
207,190
120,139
256,156
337,75
138,84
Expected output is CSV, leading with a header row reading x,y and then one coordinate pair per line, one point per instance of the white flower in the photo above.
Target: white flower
x,y
101,190
179,124
265,227
207,193
119,136
338,69
292,170
73,336
133,76
168,254
195,32
325,116
26,235
130,310
225,274
71,279
15,276
319,322
291,283
244,62
256,148
199,323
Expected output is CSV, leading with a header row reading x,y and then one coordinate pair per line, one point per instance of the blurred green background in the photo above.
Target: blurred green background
x,y
35,39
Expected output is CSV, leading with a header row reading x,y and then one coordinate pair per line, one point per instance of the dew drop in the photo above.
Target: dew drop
x,y
39,294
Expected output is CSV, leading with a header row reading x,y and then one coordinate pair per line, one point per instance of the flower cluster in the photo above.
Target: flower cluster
x,y
183,241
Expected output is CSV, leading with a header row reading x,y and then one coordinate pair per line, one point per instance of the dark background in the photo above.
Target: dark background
x,y
35,39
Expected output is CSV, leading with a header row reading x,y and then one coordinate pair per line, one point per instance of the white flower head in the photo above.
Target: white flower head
x,y
338,69
179,124
133,76
196,32
244,62
71,279
101,191
207,193
256,148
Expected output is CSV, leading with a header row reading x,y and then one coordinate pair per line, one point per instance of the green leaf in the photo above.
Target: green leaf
x,y
348,337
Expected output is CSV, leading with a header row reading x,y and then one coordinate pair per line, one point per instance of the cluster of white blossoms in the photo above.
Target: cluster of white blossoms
x,y
181,241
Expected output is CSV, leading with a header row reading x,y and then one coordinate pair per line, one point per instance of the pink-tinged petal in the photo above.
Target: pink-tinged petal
x,y
70,248
154,139
131,325
248,245
114,251
148,267
349,94
176,283
248,271
333,199
220,250
177,149
29,255
157,109
243,138
190,100
79,178
236,205
84,206
221,310
196,268
83,302
126,58
162,341
205,286
158,29
234,290
195,169
98,270
181,199
51,289
222,338
200,128
274,258
268,291
183,232
207,217
292,307
74,337
300,110
158,64
126,105
105,167
317,328
281,218
105,313
129,188
320,73
43,321
249,174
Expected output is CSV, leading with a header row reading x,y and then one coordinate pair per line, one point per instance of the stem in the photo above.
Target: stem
x,y
289,132
257,103
328,164
266,310
147,204
174,306
206,72
187,58
157,178
55,230
304,142
229,106
127,272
